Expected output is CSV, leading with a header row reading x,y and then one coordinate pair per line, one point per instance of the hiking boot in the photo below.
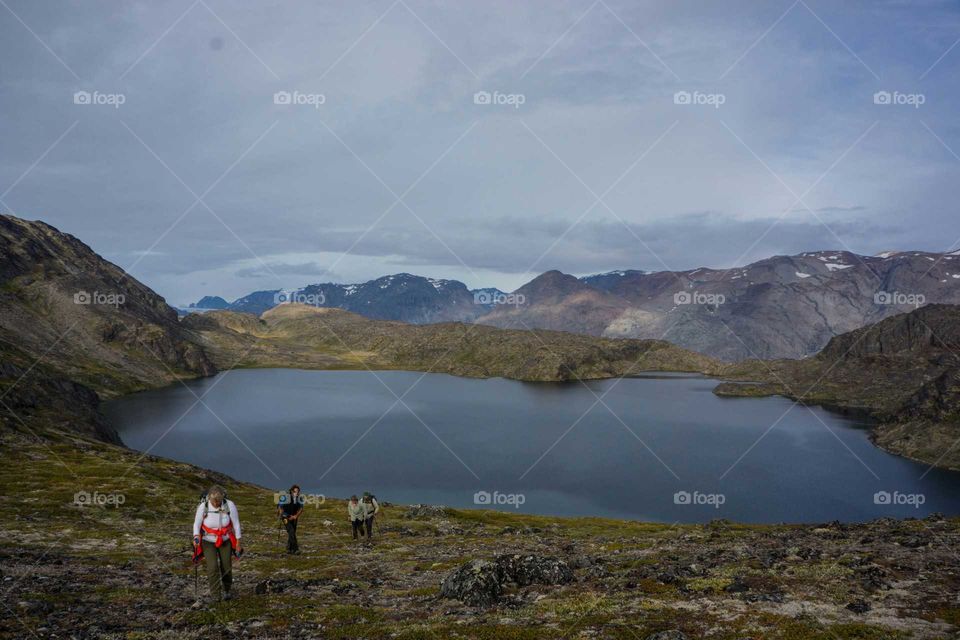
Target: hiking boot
x,y
227,596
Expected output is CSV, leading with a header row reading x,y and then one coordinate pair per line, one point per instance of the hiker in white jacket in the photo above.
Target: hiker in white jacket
x,y
216,530
357,515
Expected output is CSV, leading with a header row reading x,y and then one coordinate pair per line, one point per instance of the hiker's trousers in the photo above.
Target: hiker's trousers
x,y
292,544
369,523
357,527
219,567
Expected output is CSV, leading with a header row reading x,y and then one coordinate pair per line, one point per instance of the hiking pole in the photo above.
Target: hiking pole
x,y
197,555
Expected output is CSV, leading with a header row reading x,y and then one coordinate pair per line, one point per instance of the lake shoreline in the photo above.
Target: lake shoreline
x,y
657,478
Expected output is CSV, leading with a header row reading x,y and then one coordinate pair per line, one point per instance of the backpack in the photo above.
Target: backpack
x,y
206,503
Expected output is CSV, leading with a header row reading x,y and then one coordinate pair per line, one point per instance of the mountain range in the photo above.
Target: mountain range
x,y
779,307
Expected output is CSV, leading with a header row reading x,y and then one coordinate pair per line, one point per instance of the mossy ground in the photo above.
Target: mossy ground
x,y
123,571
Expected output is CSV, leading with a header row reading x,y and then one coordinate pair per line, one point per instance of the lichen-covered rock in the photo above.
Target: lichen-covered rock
x,y
859,606
672,634
531,569
480,583
477,583
425,511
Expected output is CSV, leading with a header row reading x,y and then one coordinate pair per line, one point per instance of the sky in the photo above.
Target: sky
x,y
221,147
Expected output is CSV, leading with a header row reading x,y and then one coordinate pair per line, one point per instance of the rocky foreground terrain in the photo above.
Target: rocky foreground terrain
x,y
73,568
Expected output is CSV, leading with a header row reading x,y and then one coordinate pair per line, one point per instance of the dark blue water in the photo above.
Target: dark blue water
x,y
651,444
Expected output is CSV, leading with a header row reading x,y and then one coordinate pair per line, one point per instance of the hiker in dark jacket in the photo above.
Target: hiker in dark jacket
x,y
370,509
289,510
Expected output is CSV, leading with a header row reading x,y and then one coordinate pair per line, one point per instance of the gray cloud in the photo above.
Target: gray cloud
x,y
297,186
282,268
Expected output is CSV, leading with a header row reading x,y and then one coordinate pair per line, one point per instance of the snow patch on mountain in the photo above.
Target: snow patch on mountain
x,y
833,266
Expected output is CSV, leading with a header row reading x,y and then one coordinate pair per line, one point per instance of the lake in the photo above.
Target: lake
x,y
657,447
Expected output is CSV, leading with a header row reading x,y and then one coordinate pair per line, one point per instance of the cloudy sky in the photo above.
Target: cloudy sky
x,y
617,134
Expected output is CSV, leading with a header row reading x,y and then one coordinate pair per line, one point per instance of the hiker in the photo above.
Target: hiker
x,y
289,510
219,523
357,515
370,508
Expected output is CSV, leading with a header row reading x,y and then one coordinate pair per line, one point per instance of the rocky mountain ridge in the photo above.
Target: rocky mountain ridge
x,y
779,307
402,296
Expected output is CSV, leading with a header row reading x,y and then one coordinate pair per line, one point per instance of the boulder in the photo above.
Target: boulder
x,y
480,583
477,583
859,606
425,511
672,634
531,569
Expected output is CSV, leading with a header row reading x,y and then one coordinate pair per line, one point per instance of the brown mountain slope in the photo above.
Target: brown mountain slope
x,y
558,301
305,336
904,370
74,326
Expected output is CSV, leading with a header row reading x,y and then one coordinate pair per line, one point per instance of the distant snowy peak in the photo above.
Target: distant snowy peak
x,y
440,284
618,273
